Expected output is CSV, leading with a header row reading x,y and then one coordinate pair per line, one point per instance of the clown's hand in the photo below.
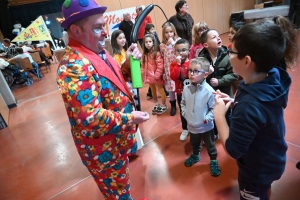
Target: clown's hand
x,y
134,51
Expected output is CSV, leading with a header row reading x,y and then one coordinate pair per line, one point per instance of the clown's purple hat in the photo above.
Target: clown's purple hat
x,y
74,10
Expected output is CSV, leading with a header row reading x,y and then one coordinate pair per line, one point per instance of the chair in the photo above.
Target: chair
x,y
59,54
37,58
47,52
27,66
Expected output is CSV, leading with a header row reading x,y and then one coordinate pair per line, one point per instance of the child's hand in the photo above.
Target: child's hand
x,y
211,69
171,41
225,97
178,60
220,108
214,82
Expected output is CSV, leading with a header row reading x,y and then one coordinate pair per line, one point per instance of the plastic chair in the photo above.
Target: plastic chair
x,y
37,58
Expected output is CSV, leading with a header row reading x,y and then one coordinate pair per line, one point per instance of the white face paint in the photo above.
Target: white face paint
x,y
102,43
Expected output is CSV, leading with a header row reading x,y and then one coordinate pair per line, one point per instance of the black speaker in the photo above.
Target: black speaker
x,y
236,17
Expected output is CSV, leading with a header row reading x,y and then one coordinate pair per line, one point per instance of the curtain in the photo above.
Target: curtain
x,y
6,24
25,14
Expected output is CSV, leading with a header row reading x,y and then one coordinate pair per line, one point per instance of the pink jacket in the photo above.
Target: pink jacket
x,y
194,51
153,70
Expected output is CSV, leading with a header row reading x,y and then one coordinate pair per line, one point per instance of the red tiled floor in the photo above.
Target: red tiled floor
x,y
39,159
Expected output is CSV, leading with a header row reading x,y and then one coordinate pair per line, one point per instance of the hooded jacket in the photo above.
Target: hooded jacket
x,y
257,129
197,106
222,70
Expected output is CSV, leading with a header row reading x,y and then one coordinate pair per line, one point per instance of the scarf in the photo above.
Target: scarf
x,y
185,23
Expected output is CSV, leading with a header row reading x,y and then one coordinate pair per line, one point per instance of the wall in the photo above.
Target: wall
x,y
215,13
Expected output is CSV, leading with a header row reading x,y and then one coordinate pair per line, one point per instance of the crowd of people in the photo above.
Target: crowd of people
x,y
194,68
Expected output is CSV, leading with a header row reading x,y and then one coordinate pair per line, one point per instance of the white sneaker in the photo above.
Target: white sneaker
x,y
184,135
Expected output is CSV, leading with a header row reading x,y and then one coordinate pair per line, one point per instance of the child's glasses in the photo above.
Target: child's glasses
x,y
196,72
230,52
181,50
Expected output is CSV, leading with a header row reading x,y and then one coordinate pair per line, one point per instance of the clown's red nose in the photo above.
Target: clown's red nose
x,y
103,33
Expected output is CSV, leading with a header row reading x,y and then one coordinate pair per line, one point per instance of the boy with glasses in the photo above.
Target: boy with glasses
x,y
256,136
221,76
197,106
179,74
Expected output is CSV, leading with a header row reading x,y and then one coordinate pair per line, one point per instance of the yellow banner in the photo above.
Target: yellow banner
x,y
36,31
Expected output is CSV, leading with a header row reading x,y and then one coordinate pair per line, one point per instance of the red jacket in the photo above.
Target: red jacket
x,y
153,70
178,73
141,32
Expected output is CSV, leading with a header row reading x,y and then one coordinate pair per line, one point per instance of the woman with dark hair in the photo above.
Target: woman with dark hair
x,y
183,21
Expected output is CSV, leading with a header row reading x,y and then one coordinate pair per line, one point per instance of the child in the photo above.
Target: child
x,y
119,46
167,50
256,134
179,74
292,51
232,30
197,46
153,70
150,29
221,76
197,106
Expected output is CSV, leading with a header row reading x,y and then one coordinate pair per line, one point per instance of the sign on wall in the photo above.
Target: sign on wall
x,y
114,18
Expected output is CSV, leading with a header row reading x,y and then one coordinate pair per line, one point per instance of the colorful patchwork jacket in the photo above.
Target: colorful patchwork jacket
x,y
99,106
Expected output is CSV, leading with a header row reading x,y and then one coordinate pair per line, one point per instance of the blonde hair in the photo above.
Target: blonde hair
x,y
166,25
197,27
203,62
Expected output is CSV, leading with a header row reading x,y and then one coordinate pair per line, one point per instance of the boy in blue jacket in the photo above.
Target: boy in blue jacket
x,y
257,130
197,106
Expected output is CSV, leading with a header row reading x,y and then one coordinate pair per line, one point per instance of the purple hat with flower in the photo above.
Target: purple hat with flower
x,y
74,10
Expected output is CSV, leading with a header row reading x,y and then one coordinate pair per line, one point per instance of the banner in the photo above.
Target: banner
x,y
36,31
114,18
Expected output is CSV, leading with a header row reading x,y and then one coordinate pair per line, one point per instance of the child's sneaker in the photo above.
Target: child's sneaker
x,y
214,168
162,109
184,135
192,160
155,109
217,137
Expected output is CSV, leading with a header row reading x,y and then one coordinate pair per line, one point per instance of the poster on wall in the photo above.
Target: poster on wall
x,y
114,18
36,31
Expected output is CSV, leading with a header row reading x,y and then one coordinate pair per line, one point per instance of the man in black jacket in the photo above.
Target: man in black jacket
x,y
126,26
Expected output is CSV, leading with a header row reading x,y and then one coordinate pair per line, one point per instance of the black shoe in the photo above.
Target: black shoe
x,y
167,94
173,108
149,96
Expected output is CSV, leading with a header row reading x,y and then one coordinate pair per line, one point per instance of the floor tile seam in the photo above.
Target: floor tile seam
x,y
69,187
293,144
34,98
161,134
